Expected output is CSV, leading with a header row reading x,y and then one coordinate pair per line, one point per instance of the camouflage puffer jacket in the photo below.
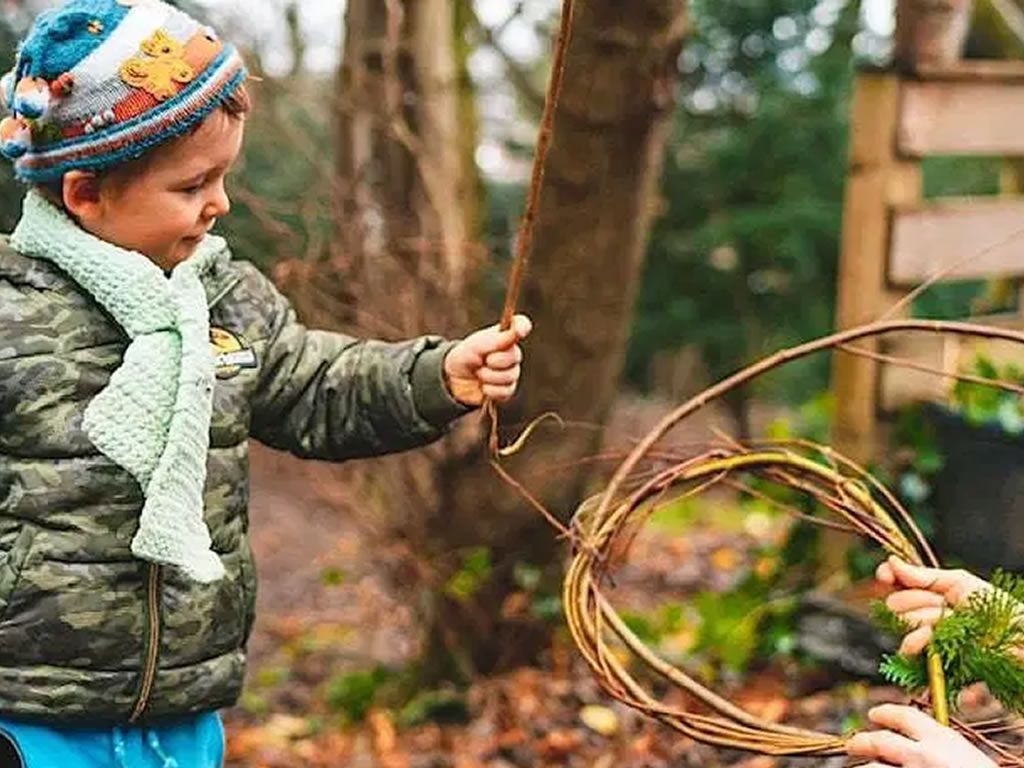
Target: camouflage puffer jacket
x,y
89,634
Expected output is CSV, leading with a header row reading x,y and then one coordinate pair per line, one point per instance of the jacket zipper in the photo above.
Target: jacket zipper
x,y
153,641
153,595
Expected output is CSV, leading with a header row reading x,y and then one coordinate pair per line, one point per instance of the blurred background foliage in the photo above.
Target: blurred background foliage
x,y
742,260
750,205
751,202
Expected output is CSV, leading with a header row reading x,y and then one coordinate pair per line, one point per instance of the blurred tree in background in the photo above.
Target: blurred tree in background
x,y
407,202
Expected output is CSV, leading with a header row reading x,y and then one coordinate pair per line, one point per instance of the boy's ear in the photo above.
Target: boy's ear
x,y
82,194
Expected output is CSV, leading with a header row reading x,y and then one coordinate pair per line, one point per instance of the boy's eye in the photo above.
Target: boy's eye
x,y
192,186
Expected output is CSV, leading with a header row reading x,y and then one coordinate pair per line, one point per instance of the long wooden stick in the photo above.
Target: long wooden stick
x,y
524,241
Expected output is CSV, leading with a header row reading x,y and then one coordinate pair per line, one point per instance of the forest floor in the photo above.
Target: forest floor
x,y
326,620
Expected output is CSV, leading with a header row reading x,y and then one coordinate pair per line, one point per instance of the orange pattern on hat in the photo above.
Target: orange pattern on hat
x,y
199,52
161,68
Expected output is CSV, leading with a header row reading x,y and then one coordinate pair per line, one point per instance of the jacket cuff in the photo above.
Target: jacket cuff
x,y
430,393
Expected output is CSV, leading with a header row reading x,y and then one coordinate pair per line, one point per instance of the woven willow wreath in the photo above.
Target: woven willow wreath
x,y
847,497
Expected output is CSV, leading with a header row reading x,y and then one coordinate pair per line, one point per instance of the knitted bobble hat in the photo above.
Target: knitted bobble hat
x,y
100,82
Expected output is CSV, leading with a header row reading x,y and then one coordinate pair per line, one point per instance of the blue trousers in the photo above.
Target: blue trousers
x,y
194,742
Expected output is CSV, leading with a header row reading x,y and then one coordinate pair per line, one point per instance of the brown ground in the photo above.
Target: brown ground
x,y
324,613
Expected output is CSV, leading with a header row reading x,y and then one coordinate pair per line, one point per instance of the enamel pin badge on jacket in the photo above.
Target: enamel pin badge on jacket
x,y
234,354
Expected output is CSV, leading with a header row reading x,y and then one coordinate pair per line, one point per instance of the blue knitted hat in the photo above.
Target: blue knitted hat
x,y
99,82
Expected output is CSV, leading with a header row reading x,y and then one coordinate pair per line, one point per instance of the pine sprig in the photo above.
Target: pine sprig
x,y
981,641
888,621
909,673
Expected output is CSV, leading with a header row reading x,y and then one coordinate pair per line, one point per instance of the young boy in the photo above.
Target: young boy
x,y
911,738
136,360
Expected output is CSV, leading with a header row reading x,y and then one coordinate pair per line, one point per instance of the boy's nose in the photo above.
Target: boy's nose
x,y
219,205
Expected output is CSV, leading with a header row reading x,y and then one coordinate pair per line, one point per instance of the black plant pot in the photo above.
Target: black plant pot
x,y
978,494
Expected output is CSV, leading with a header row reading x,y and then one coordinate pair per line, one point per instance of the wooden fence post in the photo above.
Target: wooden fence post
x,y
894,240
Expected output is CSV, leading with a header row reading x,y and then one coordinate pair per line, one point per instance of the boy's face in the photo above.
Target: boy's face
x,y
167,205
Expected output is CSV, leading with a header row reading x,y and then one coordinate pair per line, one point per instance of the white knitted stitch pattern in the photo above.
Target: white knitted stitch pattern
x,y
153,418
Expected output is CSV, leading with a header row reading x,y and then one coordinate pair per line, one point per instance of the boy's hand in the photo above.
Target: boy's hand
x,y
924,594
486,364
914,740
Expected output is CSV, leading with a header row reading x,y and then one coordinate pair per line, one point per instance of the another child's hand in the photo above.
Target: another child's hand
x,y
914,740
486,364
924,594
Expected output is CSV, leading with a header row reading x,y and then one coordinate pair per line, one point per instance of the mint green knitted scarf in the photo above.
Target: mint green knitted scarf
x,y
153,418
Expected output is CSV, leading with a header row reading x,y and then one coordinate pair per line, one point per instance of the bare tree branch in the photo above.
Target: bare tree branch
x,y
517,74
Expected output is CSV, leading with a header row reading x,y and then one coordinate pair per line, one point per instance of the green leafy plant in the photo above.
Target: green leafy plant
x,y
983,405
354,694
446,705
744,626
980,642
472,575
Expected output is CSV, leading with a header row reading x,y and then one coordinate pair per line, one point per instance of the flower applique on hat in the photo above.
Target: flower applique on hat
x,y
99,82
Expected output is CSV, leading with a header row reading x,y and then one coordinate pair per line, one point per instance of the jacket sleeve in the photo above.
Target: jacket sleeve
x,y
330,396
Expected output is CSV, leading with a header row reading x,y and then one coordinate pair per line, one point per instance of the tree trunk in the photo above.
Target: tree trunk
x,y
600,196
402,217
472,549
406,197
473,192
